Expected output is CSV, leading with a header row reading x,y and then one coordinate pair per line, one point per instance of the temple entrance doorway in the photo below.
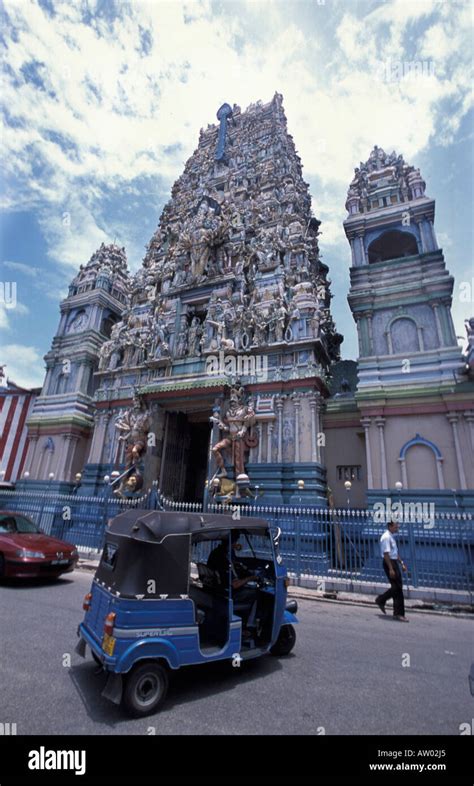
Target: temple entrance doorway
x,y
185,455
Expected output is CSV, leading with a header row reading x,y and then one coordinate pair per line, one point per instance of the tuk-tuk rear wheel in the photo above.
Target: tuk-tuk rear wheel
x,y
146,687
285,642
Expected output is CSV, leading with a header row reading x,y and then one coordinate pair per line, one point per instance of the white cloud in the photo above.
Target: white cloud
x,y
111,114
23,364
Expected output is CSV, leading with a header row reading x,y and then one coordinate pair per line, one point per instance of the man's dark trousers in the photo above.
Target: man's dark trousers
x,y
395,591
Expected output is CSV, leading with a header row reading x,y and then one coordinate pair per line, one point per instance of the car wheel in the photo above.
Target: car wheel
x,y
145,689
285,642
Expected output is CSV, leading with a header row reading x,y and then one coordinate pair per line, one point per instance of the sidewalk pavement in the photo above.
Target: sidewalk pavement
x,y
424,601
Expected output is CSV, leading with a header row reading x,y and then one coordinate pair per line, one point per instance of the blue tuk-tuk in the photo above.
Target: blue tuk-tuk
x,y
175,589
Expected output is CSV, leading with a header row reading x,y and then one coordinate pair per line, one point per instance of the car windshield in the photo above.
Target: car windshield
x,y
14,523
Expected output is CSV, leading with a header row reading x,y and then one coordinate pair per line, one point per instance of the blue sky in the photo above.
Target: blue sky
x,y
102,104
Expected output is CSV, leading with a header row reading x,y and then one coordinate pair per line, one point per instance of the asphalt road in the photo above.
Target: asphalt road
x,y
345,676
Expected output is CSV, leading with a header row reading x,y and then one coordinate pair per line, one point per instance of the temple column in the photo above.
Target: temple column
x,y
260,441
269,441
71,441
380,423
98,437
279,408
439,328
469,416
33,444
439,472
365,423
359,334
314,452
297,405
370,334
421,342
453,419
403,467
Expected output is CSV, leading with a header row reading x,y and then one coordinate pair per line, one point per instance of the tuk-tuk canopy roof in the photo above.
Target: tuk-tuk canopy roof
x,y
154,525
141,545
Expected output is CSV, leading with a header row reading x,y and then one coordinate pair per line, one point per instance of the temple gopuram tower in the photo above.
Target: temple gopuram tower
x,y
62,420
413,398
214,377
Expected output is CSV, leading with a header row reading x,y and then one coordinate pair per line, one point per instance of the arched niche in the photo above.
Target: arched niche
x,y
404,335
392,244
421,464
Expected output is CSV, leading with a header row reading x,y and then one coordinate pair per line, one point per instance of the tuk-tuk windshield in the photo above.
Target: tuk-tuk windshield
x,y
255,545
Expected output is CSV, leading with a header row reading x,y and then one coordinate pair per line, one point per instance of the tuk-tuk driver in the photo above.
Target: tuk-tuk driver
x,y
218,561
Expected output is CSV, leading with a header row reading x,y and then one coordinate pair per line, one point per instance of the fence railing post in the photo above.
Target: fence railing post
x,y
298,545
413,565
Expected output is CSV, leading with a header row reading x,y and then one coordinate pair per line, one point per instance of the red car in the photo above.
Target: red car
x,y
25,551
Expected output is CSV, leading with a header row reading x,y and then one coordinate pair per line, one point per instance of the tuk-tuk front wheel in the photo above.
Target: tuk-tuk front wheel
x,y
146,687
285,642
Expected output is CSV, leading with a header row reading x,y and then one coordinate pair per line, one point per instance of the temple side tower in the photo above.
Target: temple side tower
x,y
401,292
232,295
62,420
413,395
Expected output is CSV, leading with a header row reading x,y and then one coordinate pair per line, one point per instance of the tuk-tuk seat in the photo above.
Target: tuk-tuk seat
x,y
209,578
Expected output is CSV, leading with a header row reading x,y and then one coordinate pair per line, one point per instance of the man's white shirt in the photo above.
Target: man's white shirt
x,y
388,543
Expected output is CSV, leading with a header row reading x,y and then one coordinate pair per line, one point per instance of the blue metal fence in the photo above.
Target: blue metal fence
x,y
71,517
315,542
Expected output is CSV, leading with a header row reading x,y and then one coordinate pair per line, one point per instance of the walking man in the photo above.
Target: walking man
x,y
391,566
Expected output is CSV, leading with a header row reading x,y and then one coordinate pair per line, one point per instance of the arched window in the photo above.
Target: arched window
x,y
392,245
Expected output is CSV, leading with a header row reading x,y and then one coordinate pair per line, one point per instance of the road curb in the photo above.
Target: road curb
x,y
450,611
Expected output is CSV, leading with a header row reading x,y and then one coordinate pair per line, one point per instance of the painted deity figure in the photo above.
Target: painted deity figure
x,y
133,427
235,423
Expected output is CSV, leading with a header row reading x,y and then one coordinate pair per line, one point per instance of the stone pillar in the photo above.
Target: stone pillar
x,y
101,419
71,441
371,336
469,416
365,422
279,408
359,335
439,329
353,252
297,405
403,467
314,430
30,460
421,226
453,418
433,236
421,342
269,441
380,423
260,441
439,472
450,324
388,336
360,238
81,376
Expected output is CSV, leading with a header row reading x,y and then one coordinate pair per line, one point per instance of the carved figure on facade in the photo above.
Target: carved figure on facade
x,y
134,426
235,423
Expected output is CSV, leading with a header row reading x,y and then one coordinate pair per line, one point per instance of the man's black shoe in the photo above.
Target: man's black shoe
x,y
380,605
